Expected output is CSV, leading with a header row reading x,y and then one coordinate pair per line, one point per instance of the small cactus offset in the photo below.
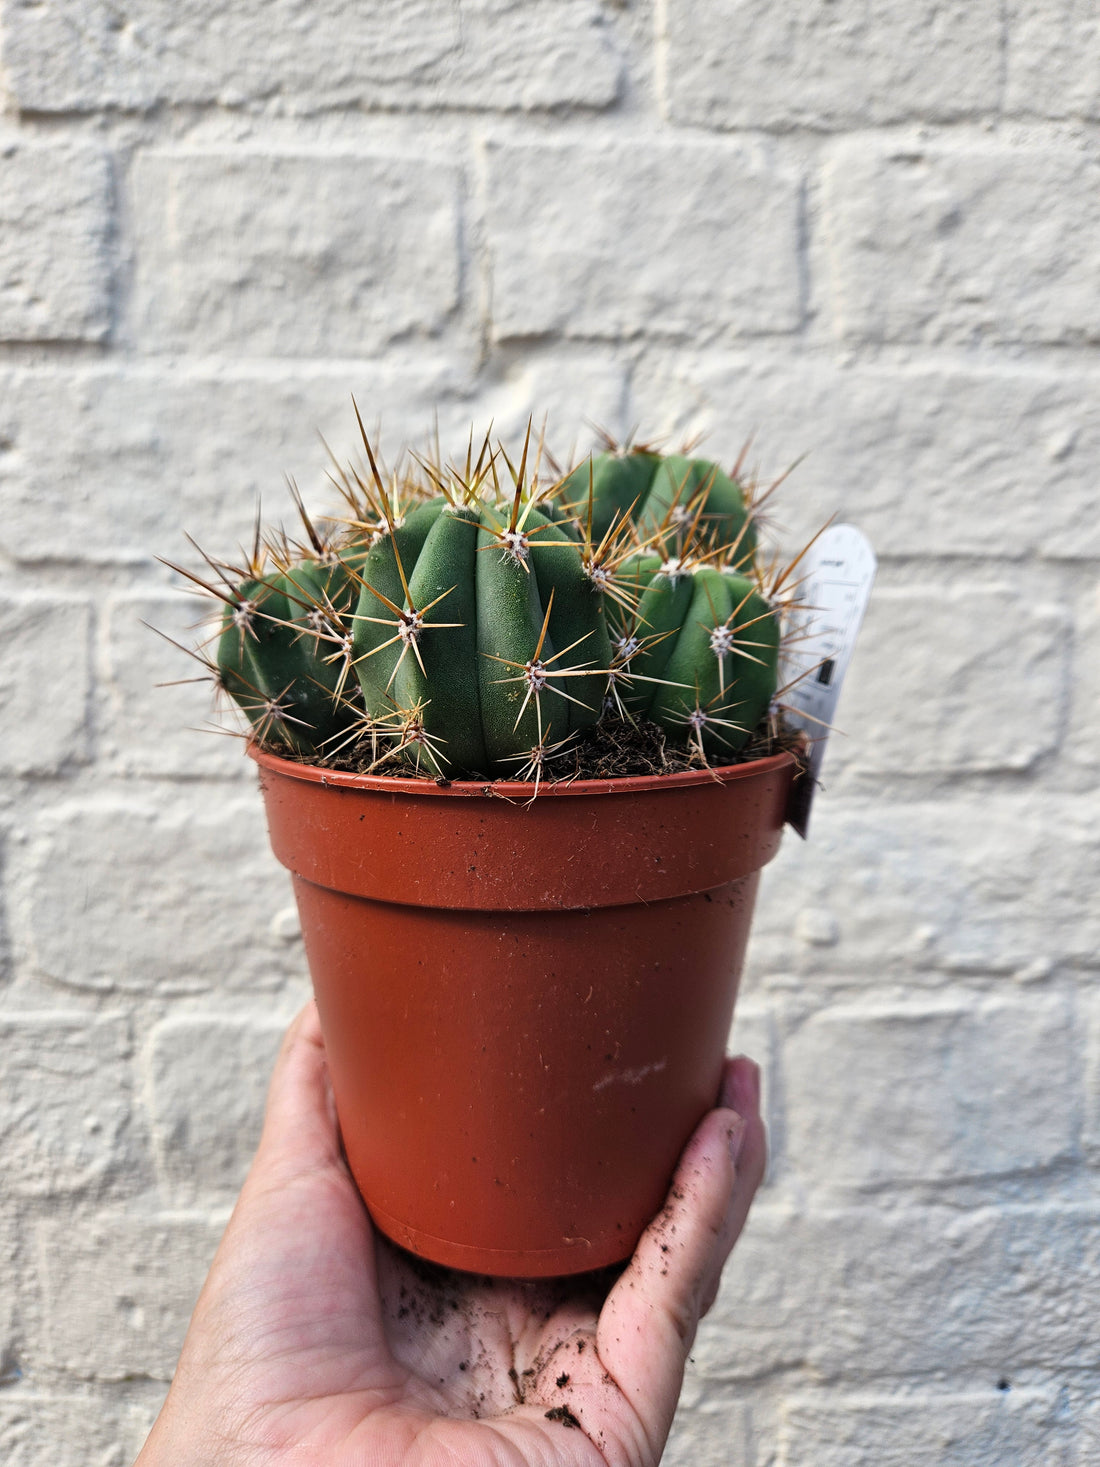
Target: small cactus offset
x,y
272,654
655,490
476,620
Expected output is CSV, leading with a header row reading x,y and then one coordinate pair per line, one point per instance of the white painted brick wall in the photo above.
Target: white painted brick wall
x,y
289,255
67,1108
624,240
483,54
203,1143
118,1290
45,631
973,1430
61,195
916,238
748,63
865,231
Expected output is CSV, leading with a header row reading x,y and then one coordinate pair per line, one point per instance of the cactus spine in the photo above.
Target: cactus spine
x,y
496,635
657,492
470,622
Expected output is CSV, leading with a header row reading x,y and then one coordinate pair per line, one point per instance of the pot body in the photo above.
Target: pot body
x,y
525,1003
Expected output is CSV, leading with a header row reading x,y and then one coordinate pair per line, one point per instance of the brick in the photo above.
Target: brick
x,y
955,884
286,255
139,56
69,1431
150,452
935,686
129,896
1052,66
13,1280
6,957
880,1292
209,1084
44,637
516,56
916,238
489,54
1091,1017
1089,1435
147,725
987,1428
584,240
918,457
711,1432
923,1091
1082,745
146,1409
60,197
65,1106
118,1292
745,63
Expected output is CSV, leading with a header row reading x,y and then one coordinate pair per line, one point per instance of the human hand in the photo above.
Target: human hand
x,y
317,1342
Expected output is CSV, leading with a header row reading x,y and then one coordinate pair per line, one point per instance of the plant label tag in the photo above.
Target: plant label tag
x,y
836,576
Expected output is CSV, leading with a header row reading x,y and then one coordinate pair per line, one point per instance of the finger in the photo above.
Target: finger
x,y
299,1195
649,1321
300,1127
740,1092
740,1089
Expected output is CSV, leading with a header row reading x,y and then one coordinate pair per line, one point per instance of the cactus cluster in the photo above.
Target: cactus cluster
x,y
471,620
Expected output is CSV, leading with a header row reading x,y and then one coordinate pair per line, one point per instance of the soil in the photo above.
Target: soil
x,y
614,749
562,1414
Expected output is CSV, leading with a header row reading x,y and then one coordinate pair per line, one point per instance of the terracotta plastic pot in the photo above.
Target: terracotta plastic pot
x,y
525,1005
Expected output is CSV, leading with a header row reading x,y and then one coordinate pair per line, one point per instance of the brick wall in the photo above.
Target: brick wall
x,y
868,232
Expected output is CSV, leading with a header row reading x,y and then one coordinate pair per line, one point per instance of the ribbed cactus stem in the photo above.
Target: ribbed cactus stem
x,y
472,626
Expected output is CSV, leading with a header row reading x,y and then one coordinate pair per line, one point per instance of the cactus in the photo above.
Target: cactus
x,y
473,621
492,630
640,483
701,653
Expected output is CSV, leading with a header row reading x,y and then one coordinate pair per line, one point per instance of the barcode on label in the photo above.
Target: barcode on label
x,y
822,624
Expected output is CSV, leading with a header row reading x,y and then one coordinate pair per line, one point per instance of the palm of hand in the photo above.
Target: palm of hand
x,y
317,1341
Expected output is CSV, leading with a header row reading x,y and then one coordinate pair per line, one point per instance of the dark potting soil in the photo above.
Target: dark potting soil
x,y
615,748
562,1414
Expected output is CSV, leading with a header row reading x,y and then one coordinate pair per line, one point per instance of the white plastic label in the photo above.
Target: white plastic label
x,y
834,585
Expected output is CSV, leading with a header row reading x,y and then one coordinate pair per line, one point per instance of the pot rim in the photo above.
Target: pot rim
x,y
514,790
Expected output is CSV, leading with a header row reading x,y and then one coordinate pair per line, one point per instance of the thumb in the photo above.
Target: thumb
x,y
300,1131
648,1323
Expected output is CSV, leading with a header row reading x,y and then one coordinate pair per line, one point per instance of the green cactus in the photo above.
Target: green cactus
x,y
471,629
674,492
701,654
281,654
492,631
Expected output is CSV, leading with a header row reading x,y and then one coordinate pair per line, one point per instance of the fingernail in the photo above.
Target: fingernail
x,y
755,1080
736,1138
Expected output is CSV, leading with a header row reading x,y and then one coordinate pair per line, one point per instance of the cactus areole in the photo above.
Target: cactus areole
x,y
525,981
